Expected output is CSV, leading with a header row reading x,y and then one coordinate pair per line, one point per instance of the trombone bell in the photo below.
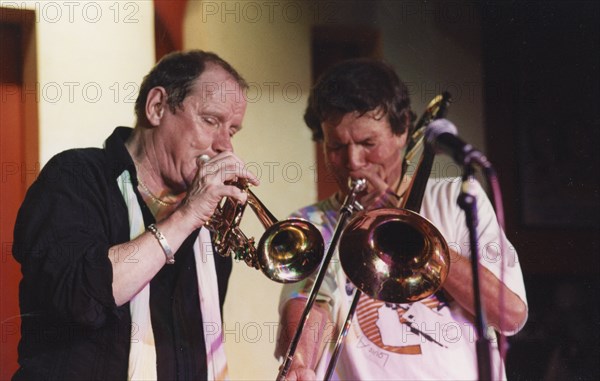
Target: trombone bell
x,y
394,255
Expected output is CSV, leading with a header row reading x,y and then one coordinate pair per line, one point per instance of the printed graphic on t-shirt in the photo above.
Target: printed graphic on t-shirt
x,y
403,328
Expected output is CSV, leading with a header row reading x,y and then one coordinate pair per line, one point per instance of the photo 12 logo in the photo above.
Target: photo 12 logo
x,y
53,12
254,12
72,92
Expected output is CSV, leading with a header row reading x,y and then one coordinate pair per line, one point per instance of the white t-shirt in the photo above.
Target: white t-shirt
x,y
430,339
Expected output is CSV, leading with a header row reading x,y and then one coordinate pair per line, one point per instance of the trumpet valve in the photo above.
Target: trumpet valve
x,y
246,251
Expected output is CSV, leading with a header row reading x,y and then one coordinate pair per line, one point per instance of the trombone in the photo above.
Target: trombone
x,y
289,250
348,208
390,254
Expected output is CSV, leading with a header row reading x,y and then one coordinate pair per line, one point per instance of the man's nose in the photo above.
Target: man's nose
x,y
355,158
222,141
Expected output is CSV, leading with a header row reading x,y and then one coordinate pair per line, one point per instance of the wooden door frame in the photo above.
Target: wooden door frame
x,y
19,100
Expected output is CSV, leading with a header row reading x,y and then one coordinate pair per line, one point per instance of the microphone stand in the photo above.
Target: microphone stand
x,y
468,202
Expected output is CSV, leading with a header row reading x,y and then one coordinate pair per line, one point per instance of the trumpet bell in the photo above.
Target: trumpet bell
x,y
290,250
394,255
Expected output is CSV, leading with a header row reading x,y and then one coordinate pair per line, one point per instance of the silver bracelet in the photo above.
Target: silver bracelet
x,y
163,243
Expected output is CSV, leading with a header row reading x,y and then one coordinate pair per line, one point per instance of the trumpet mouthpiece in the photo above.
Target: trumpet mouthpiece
x,y
357,184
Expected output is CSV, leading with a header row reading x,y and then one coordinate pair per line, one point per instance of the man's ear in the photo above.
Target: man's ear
x,y
403,139
155,105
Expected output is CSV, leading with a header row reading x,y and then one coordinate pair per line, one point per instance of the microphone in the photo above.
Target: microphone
x,y
441,135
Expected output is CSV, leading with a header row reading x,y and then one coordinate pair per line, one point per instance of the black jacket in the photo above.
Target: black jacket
x,y
71,328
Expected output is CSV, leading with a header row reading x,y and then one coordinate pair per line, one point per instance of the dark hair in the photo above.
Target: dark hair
x,y
360,85
176,73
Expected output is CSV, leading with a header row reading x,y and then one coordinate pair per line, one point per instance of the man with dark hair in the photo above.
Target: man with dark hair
x,y
360,110
119,277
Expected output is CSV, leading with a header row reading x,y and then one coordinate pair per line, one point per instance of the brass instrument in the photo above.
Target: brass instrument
x,y
401,256
348,207
288,251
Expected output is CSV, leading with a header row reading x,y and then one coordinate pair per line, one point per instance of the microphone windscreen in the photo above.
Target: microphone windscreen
x,y
438,127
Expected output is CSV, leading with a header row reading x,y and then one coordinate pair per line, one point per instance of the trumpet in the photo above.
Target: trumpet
x,y
289,250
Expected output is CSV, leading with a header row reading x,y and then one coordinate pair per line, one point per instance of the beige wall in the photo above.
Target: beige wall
x,y
92,56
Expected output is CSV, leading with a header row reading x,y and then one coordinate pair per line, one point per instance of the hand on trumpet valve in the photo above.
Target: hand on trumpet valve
x,y
215,178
